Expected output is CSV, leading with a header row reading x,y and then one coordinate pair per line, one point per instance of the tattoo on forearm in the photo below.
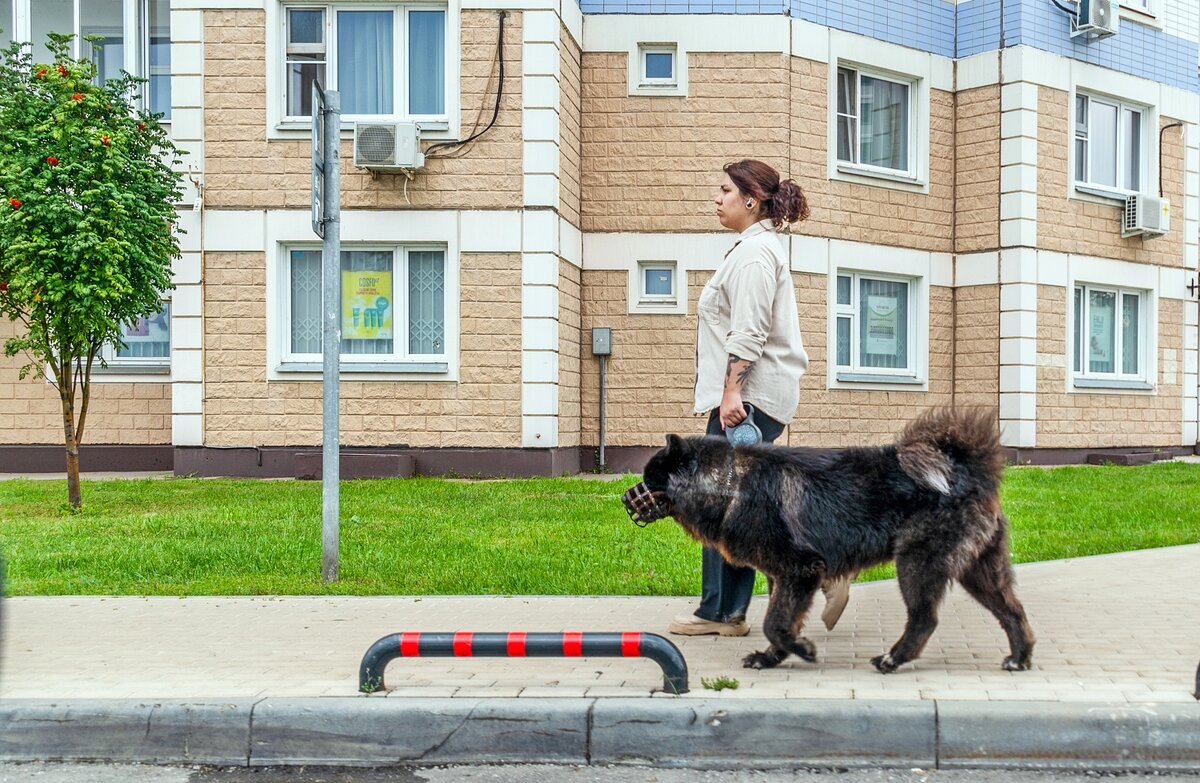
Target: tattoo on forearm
x,y
743,372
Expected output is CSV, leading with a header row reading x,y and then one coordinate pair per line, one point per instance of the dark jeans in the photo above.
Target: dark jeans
x,y
726,589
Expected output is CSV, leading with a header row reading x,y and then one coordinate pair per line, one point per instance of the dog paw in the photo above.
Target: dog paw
x,y
1012,664
805,649
759,660
885,664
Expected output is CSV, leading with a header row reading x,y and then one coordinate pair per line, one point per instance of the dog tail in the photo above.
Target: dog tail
x,y
953,452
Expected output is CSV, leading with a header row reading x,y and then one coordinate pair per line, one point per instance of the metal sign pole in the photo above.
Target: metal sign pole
x,y
331,327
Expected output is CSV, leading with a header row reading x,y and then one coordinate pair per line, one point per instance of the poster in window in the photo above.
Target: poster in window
x,y
1101,334
366,305
883,325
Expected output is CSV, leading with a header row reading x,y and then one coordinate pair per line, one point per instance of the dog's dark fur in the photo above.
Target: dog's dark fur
x,y
929,502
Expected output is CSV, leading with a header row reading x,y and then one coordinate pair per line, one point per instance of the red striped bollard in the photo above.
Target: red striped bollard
x,y
569,644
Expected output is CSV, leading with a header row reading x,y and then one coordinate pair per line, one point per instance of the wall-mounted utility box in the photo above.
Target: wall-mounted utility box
x,y
601,340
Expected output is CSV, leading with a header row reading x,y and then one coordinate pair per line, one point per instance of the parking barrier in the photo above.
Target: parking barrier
x,y
465,644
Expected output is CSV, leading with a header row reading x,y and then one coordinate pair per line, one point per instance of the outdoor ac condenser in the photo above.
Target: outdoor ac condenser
x,y
1097,19
1145,216
388,146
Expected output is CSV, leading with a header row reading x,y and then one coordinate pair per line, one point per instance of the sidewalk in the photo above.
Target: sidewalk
x,y
1115,666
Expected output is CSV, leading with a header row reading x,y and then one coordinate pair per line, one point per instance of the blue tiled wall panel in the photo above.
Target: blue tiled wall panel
x,y
961,30
977,27
927,25
1137,49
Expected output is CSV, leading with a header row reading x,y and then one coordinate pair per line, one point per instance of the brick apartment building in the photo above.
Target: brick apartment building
x,y
968,165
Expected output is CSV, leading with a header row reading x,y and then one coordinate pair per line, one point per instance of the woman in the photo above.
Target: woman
x,y
748,351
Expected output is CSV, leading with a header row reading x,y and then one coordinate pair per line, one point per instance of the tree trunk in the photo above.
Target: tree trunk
x,y
74,496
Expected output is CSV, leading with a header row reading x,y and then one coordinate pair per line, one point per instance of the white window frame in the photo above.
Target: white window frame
x,y
1083,379
281,125
638,84
657,300
135,20
647,49
895,63
914,373
400,360
1147,149
855,166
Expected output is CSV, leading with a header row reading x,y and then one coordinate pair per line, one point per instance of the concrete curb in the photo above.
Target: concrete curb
x,y
714,733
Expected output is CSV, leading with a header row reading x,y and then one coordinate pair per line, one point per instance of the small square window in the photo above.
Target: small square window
x,y
656,283
658,65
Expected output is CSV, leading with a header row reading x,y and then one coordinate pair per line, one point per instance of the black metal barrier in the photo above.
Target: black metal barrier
x,y
465,644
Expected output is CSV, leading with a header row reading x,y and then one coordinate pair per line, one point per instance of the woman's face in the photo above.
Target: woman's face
x,y
731,207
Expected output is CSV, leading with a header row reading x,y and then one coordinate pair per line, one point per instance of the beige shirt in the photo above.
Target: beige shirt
x,y
748,310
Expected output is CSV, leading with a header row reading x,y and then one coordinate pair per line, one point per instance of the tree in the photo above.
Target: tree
x,y
87,221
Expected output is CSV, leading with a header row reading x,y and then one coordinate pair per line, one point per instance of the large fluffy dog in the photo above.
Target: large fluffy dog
x,y
929,502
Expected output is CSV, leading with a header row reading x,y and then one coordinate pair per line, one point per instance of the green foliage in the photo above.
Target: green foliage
x,y
424,536
87,214
719,683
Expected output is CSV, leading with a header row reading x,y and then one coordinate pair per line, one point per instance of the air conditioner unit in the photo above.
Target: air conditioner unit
x,y
388,146
1145,216
1097,19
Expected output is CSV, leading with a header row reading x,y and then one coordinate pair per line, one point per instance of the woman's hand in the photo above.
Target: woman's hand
x,y
732,410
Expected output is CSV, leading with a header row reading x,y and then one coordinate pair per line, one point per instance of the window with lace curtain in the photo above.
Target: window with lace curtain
x,y
393,305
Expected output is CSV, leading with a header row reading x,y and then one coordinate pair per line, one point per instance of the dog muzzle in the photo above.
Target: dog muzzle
x,y
645,506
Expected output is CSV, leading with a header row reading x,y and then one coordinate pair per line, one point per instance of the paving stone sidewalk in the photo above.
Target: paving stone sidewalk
x,y
1119,628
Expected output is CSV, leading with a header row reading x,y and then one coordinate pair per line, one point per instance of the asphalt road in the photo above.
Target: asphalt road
x,y
520,773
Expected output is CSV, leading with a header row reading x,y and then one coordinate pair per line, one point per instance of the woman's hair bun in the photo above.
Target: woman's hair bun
x,y
788,204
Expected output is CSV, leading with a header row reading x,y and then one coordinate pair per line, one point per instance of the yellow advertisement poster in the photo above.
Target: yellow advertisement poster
x,y
366,305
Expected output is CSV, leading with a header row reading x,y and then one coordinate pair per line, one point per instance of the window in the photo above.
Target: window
x,y
1110,334
874,119
875,327
157,57
393,305
656,283
384,61
6,22
105,20
1110,144
658,65
147,343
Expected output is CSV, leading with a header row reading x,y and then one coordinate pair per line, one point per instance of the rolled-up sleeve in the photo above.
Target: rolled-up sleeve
x,y
751,299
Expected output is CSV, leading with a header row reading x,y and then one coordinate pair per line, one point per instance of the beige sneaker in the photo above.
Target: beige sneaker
x,y
691,625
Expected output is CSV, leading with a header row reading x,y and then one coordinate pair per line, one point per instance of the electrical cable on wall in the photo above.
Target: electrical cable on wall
x,y
456,146
1068,11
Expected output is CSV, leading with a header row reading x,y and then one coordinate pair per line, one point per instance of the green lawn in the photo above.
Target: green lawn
x,y
431,536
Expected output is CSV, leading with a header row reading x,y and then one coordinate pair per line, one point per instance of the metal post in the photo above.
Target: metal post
x,y
331,335
603,465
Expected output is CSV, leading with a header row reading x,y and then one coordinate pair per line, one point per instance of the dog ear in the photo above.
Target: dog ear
x,y
675,444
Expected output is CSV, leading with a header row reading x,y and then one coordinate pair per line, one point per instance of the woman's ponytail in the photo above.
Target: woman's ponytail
x,y
788,205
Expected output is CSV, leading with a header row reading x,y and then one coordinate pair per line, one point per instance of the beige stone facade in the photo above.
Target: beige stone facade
x,y
1073,225
1074,419
125,413
545,218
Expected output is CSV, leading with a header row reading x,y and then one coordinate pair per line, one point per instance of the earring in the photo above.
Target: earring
x,y
749,205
